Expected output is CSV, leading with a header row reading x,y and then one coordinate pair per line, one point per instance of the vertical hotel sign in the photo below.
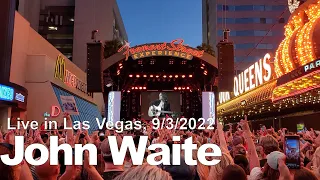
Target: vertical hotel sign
x,y
67,77
176,49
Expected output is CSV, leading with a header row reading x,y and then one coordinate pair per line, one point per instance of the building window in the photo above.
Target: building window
x,y
258,8
245,20
244,46
263,20
250,8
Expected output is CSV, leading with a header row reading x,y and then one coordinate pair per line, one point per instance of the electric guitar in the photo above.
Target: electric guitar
x,y
156,111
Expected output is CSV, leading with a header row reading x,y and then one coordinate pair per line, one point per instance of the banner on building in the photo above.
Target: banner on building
x,y
69,105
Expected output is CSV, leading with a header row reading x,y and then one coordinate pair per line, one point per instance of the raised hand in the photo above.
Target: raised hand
x,y
10,138
244,124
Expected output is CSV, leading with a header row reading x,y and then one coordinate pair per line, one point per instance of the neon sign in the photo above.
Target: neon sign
x,y
312,65
19,97
55,112
67,77
6,93
256,75
175,48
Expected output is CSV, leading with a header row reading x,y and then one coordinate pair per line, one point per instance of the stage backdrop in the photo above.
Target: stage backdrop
x,y
148,97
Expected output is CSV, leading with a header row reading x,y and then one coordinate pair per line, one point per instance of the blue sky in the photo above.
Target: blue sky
x,y
148,21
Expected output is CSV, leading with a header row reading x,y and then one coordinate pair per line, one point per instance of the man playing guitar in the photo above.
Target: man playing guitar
x,y
160,107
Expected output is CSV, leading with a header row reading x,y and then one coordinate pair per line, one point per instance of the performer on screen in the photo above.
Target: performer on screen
x,y
160,107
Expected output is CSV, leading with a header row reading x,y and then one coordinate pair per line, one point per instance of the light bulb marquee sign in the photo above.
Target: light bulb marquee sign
x,y
256,75
175,49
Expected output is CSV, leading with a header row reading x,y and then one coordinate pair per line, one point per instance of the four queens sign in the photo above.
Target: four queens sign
x,y
257,74
175,48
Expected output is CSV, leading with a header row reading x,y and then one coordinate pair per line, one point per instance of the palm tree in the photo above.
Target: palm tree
x,y
207,48
111,47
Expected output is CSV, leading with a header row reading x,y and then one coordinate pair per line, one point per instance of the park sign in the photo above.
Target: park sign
x,y
175,49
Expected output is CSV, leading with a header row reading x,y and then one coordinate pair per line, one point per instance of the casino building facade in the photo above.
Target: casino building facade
x,y
43,75
292,94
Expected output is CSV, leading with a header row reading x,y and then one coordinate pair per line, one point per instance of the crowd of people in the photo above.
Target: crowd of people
x,y
246,154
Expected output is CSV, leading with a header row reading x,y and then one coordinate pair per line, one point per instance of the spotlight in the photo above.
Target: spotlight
x,y
170,76
151,75
144,87
140,87
157,76
164,76
132,88
188,88
202,67
190,75
130,75
145,76
183,76
203,64
179,88
128,91
183,88
120,64
175,88
121,67
136,88
137,75
176,76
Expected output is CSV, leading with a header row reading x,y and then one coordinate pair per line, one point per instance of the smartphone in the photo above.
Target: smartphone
x,y
300,127
292,151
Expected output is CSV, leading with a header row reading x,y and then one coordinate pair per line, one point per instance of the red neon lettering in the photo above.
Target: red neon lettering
x,y
55,111
175,45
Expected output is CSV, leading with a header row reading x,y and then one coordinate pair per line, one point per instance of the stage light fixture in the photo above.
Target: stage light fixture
x,y
188,88
202,67
190,75
132,88
120,64
183,76
203,64
128,91
137,75
144,87
176,76
151,75
157,76
164,76
121,67
144,76
175,88
170,76
183,88
140,87
179,88
136,87
118,72
130,75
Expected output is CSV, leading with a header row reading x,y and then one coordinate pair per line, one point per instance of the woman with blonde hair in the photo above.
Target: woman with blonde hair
x,y
217,170
144,172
